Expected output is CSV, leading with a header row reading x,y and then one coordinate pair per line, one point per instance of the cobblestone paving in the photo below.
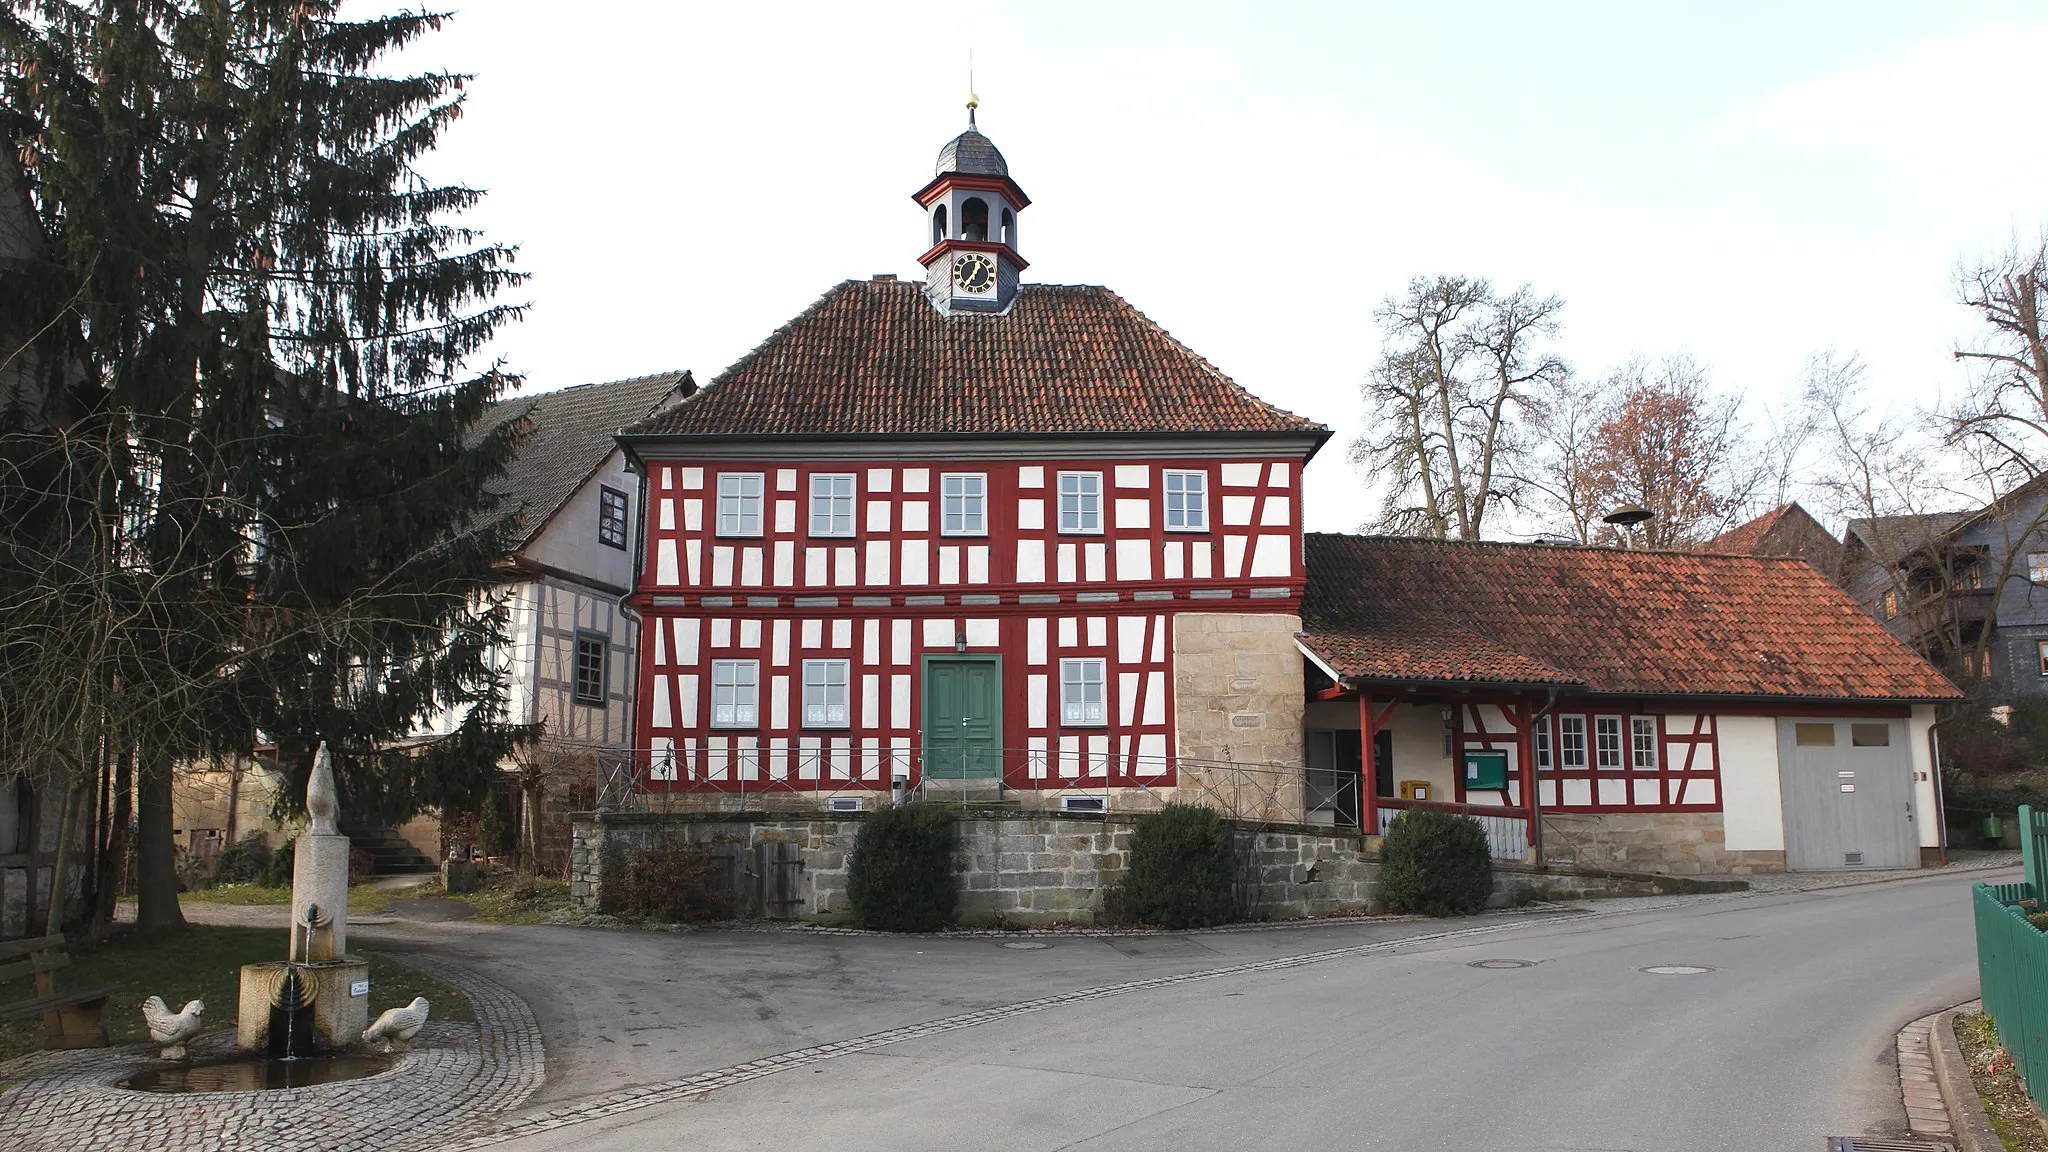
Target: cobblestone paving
x,y
456,1077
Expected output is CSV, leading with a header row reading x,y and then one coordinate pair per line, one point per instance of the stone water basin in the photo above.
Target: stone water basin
x,y
256,1074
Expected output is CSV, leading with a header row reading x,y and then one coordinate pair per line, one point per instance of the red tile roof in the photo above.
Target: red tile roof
x,y
1598,619
874,358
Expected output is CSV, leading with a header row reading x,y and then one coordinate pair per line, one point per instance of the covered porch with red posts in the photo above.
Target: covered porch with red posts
x,y
1375,750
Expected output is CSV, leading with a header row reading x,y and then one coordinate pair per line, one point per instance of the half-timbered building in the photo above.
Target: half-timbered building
x,y
1655,711
968,533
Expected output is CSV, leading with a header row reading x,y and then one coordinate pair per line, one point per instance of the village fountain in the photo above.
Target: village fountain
x,y
302,1019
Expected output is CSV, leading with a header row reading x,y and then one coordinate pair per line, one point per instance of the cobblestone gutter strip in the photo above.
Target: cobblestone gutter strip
x,y
690,1087
455,1078
1927,1110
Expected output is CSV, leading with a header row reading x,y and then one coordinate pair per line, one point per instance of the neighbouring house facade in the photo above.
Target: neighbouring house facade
x,y
1641,710
970,535
1953,585
1787,530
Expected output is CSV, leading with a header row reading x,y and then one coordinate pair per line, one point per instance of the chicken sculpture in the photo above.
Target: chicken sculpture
x,y
398,1025
171,1029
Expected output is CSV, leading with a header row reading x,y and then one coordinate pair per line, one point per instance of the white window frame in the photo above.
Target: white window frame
x,y
736,505
735,693
1199,520
1603,726
823,681
1077,676
1540,738
1087,505
978,498
1642,743
833,499
1570,728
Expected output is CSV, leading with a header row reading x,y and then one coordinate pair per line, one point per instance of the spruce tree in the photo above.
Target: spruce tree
x,y
274,316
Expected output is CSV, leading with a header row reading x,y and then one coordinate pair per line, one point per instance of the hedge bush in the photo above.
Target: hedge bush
x,y
243,862
901,876
671,882
1436,864
1183,868
278,872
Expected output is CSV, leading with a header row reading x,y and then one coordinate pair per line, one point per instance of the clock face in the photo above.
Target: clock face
x,y
974,272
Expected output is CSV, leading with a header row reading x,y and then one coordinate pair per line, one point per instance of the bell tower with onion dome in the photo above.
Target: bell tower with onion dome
x,y
971,208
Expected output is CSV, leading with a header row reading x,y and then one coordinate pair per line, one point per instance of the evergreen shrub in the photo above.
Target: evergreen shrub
x,y
1183,868
901,876
278,872
243,862
1436,864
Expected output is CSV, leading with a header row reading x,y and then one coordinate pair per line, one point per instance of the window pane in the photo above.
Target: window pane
x,y
1081,692
825,694
734,694
1607,742
1186,507
1813,735
1572,735
1643,743
739,504
1870,735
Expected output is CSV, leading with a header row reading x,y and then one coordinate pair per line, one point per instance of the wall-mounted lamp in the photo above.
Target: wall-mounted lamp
x,y
960,643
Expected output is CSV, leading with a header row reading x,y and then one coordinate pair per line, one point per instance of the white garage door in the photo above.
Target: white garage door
x,y
1848,792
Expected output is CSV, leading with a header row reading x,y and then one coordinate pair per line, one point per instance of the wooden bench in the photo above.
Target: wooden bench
x,y
71,1019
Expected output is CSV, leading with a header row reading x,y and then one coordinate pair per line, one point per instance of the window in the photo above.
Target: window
x,y
735,693
1813,735
739,504
1971,575
2041,650
1607,743
825,695
1187,501
831,505
1081,698
1571,741
1080,501
1542,740
964,505
2037,567
938,224
611,517
1891,603
1870,735
1642,743
590,654
1009,228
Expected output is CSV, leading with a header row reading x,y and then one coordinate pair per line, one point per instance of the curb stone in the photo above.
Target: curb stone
x,y
1973,1131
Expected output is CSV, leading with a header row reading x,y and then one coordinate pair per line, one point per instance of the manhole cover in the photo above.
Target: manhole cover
x,y
1676,969
1501,964
1026,945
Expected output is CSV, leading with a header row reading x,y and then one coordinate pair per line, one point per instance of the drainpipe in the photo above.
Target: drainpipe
x,y
1940,801
1536,784
638,468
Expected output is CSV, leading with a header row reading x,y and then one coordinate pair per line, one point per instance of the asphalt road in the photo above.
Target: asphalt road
x,y
1786,1041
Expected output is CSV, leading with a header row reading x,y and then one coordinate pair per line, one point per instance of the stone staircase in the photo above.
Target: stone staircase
x,y
394,856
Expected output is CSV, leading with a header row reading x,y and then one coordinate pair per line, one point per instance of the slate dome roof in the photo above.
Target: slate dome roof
x,y
971,152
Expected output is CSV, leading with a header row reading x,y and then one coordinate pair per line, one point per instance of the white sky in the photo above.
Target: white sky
x,y
1749,183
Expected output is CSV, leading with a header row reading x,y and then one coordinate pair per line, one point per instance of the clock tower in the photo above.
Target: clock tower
x,y
971,209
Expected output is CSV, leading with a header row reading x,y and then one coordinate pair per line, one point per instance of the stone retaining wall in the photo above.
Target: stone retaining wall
x,y
1029,869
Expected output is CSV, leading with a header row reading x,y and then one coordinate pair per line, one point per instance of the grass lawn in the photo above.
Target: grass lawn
x,y
361,898
200,962
2006,1102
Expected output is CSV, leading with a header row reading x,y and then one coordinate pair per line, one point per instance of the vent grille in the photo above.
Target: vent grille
x,y
1852,858
1884,1144
1084,803
844,804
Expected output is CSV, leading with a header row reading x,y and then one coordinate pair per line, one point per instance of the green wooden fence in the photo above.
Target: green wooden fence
x,y
2012,957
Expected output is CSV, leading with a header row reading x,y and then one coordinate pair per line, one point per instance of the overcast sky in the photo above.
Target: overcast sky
x,y
1746,183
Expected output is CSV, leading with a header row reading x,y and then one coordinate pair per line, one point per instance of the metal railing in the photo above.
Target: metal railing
x,y
1078,782
1507,829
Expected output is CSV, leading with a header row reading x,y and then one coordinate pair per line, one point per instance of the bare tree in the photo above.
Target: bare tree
x,y
1560,470
1670,445
1461,364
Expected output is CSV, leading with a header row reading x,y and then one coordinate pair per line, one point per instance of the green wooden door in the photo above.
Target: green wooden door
x,y
963,718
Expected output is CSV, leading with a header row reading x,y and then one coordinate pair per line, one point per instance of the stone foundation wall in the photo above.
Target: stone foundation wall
x,y
1029,869
1676,843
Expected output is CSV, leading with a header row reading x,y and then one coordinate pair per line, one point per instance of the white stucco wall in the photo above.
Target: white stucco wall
x,y
1926,808
1418,742
569,543
1752,809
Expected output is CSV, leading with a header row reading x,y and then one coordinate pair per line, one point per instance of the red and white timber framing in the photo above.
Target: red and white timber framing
x,y
899,589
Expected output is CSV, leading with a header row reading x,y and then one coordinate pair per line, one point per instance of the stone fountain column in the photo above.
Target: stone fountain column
x,y
335,987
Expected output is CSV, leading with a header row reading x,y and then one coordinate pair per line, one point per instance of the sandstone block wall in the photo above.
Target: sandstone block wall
x,y
1677,843
1238,700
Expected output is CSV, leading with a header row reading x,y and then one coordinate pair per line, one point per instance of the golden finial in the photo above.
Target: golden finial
x,y
973,101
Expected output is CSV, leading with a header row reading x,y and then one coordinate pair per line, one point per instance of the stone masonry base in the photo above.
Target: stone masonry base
x,y
1675,843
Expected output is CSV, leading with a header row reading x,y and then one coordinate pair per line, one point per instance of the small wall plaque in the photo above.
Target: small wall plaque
x,y
359,988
